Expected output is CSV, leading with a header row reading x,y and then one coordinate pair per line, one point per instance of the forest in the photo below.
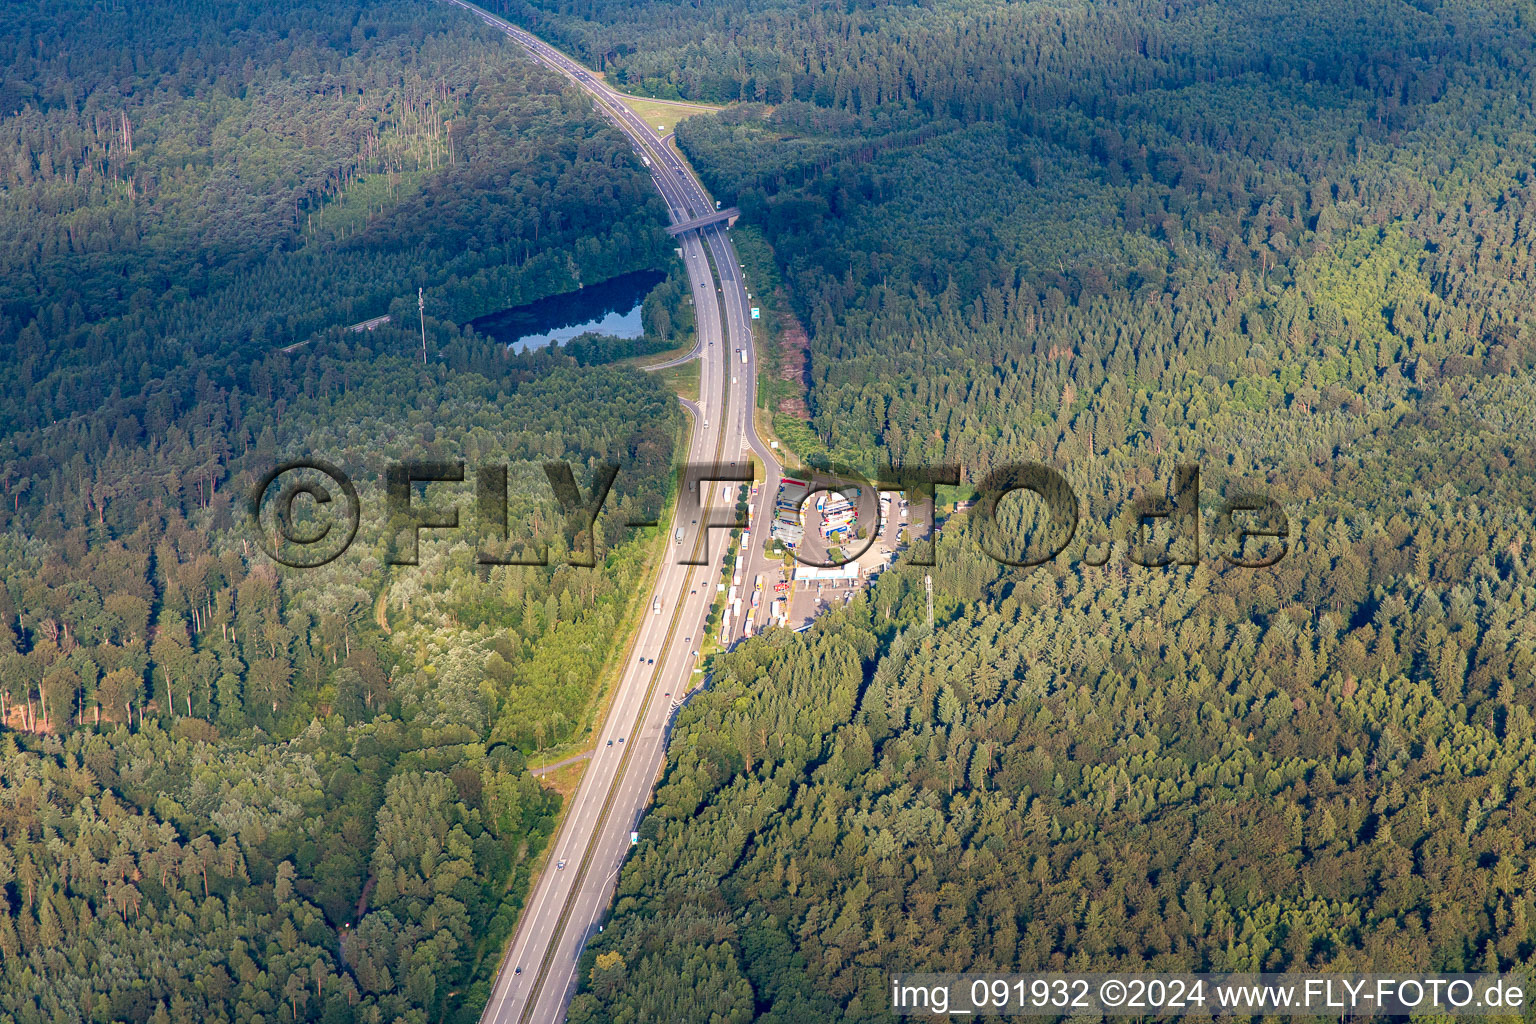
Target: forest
x,y
231,790
1290,244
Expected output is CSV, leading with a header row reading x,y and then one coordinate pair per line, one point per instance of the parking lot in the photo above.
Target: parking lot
x,y
817,590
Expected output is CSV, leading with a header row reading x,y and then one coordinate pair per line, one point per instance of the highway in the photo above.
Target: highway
x,y
537,977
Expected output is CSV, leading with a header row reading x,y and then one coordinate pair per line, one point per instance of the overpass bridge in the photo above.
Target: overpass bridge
x,y
728,215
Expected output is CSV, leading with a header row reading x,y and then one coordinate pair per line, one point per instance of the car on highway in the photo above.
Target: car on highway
x,y
560,866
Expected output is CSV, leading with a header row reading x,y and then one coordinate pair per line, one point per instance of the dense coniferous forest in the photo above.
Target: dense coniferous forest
x,y
232,790
1291,244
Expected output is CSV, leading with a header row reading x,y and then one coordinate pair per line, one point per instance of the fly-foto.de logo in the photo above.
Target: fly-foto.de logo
x,y
306,513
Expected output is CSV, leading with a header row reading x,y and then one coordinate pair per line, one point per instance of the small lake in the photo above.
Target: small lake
x,y
611,308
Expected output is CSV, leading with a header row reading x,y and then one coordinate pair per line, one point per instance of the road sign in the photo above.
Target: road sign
x,y
756,313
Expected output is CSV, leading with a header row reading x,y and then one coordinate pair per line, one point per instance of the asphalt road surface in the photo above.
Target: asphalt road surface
x,y
538,975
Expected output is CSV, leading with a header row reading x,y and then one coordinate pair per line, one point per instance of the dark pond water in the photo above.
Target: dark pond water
x,y
611,308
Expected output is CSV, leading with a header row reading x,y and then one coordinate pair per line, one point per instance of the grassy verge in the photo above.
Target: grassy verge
x,y
797,444
565,780
684,379
665,355
662,115
764,422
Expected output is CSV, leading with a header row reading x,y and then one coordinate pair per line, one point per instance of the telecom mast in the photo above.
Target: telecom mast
x,y
421,308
